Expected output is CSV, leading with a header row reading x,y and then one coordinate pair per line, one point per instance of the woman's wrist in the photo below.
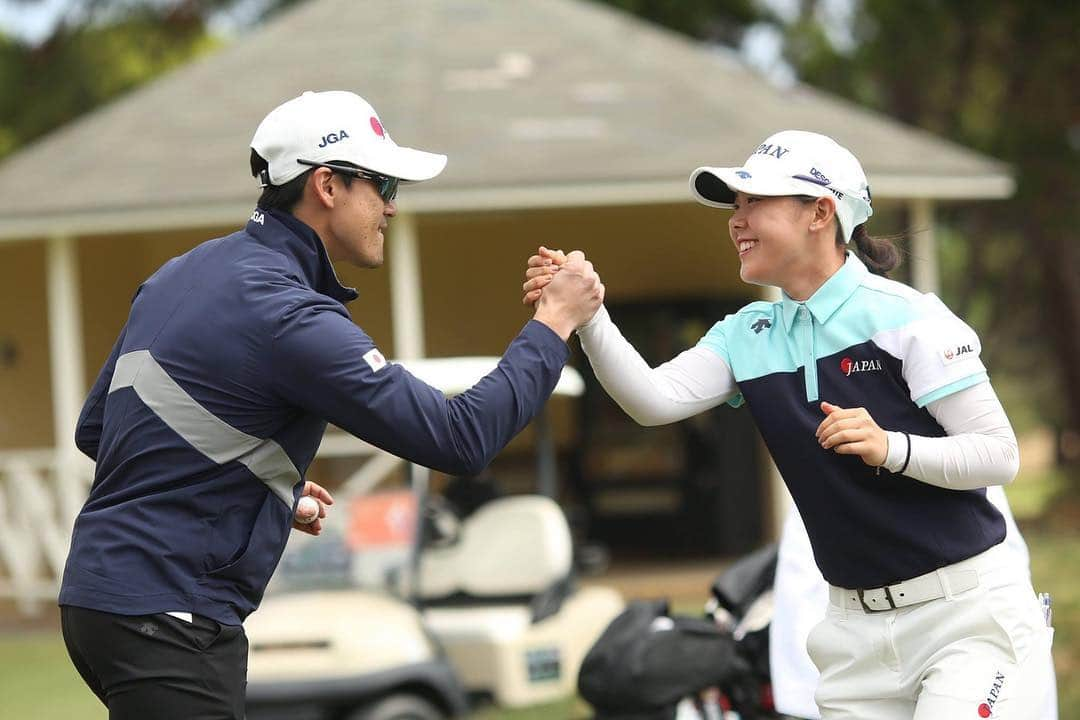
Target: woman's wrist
x,y
599,316
899,447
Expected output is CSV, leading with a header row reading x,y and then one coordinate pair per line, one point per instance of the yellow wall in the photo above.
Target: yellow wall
x,y
371,311
110,271
25,397
113,267
472,267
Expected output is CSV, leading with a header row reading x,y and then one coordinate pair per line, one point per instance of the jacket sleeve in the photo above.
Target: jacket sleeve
x,y
92,417
322,362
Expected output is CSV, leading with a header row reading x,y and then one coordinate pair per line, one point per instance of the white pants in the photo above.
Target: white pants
x,y
980,653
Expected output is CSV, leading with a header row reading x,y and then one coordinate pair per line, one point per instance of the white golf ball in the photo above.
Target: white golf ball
x,y
307,510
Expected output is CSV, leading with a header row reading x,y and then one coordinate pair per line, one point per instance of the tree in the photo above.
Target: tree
x,y
98,50
998,77
718,21
80,67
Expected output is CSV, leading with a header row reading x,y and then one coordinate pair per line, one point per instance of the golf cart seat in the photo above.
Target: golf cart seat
x,y
511,548
501,602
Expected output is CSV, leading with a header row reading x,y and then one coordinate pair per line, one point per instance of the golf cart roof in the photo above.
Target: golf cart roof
x,y
454,375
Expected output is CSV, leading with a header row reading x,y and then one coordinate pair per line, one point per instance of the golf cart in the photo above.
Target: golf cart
x,y
401,610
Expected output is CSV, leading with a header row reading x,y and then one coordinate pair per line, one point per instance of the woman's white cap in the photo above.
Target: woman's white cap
x,y
335,125
792,162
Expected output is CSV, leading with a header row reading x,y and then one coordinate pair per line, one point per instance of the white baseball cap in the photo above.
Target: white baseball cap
x,y
335,125
792,162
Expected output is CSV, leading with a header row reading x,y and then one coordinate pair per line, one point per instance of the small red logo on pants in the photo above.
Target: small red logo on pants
x,y
987,707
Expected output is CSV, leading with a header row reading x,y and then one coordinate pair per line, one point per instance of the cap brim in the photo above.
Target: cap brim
x,y
407,164
716,187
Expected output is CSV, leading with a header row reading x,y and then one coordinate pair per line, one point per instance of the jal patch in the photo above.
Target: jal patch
x,y
955,353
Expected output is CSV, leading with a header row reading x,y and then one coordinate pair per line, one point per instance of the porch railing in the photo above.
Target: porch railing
x,y
42,491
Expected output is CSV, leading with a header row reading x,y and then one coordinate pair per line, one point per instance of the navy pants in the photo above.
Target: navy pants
x,y
159,667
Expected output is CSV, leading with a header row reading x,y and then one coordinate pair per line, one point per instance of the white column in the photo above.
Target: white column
x,y
65,338
925,275
66,367
406,295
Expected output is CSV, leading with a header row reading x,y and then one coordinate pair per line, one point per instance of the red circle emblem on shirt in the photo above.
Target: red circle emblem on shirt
x,y
984,710
377,127
845,366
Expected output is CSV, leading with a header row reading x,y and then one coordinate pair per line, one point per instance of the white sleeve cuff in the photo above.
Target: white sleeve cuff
x,y
898,450
978,450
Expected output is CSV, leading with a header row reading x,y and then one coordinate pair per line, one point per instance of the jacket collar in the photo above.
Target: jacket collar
x,y
302,245
833,293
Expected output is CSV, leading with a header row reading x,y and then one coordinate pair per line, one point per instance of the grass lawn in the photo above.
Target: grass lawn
x,y
37,680
1055,568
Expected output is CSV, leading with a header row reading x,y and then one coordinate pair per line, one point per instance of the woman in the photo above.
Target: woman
x,y
801,596
879,414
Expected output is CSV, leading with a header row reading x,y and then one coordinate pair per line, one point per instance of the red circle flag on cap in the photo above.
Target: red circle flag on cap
x,y
336,125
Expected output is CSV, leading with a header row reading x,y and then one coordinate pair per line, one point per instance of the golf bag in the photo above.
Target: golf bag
x,y
651,665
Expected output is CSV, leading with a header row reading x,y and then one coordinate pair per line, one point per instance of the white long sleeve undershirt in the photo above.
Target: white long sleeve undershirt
x,y
979,449
692,382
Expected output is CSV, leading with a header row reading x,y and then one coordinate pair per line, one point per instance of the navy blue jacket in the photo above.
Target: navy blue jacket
x,y
213,402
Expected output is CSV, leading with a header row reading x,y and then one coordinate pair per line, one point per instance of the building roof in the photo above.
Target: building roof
x,y
554,103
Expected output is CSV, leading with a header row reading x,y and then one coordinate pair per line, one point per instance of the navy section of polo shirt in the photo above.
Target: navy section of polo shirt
x,y
860,341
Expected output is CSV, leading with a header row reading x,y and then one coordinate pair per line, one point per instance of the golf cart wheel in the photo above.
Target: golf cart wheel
x,y
398,707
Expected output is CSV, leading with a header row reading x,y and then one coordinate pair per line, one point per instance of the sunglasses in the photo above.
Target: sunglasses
x,y
385,185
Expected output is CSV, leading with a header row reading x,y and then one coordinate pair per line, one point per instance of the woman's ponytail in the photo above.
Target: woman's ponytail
x,y
878,254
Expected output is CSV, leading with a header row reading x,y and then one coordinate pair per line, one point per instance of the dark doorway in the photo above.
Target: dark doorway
x,y
690,488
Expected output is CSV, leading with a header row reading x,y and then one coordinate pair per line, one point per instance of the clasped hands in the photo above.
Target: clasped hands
x,y
564,289
846,431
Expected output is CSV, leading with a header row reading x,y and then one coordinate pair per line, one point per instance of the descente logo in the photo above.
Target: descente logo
x,y
849,367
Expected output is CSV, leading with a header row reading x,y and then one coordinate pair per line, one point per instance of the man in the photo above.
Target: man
x,y
215,397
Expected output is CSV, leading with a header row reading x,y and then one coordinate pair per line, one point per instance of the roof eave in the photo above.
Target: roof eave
x,y
474,199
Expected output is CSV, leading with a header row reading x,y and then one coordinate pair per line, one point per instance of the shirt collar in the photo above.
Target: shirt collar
x,y
828,298
297,241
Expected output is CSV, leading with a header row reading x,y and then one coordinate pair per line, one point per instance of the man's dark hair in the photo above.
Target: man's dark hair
x,y
284,197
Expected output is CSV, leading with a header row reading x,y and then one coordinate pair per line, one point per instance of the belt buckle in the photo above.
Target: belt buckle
x,y
888,596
